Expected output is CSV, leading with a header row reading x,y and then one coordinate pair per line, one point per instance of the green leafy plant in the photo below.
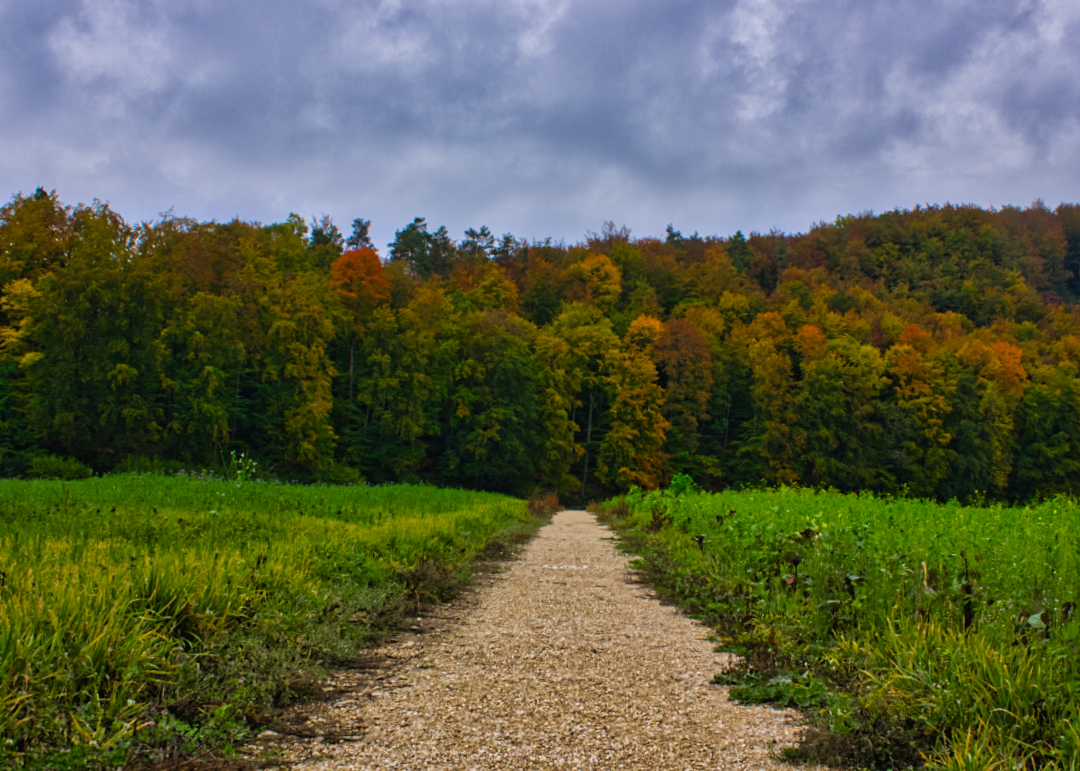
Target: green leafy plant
x,y
241,467
682,484
905,629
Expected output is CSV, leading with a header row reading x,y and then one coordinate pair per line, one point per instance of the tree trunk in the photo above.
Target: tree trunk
x,y
727,424
588,438
352,353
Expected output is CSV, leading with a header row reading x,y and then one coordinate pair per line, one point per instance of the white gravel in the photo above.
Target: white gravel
x,y
561,662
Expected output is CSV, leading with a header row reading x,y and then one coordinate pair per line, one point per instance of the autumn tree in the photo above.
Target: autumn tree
x,y
1048,435
631,452
644,334
543,291
773,392
491,433
598,280
93,364
198,256
294,327
1069,217
593,346
359,281
558,399
204,359
36,236
17,442
686,374
915,416
836,403
402,381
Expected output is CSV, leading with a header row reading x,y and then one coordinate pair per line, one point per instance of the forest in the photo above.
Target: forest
x,y
932,352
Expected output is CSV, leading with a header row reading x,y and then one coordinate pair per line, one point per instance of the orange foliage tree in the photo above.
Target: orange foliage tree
x,y
358,279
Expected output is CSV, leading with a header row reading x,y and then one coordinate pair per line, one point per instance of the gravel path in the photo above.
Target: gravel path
x,y
559,662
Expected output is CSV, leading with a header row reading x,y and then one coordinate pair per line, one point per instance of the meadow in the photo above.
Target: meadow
x,y
144,611
911,633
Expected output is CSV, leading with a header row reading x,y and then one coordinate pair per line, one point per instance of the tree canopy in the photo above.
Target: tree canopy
x,y
933,352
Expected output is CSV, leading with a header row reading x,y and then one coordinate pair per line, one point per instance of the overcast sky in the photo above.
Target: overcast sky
x,y
540,117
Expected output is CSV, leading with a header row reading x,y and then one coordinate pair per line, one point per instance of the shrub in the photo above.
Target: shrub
x,y
340,474
55,467
543,505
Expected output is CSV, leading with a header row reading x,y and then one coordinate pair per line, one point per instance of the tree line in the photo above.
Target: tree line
x,y
933,352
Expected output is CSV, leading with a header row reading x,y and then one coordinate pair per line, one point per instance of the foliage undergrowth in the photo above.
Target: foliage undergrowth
x,y
140,612
911,633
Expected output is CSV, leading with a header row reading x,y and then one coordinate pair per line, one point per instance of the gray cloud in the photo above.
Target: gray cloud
x,y
543,117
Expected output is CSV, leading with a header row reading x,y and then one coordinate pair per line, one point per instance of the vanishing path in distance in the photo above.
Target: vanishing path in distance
x,y
561,661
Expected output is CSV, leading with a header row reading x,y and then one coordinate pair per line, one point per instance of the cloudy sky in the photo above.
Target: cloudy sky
x,y
540,117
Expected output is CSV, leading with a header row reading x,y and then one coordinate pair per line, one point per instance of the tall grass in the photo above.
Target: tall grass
x,y
916,631
123,594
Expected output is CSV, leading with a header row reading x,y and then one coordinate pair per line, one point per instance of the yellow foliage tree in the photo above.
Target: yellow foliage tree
x,y
632,450
601,278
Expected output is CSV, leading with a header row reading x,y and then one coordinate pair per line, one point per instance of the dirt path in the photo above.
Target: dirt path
x,y
560,662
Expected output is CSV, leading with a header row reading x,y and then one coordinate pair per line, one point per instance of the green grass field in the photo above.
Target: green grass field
x,y
913,632
123,595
